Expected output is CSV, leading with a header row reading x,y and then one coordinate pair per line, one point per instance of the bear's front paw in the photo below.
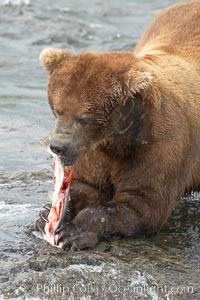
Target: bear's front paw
x,y
74,239
86,229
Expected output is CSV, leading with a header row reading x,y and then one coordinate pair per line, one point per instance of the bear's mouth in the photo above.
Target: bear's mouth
x,y
67,161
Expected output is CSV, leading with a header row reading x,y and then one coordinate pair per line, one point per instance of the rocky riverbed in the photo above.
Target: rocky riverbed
x,y
163,266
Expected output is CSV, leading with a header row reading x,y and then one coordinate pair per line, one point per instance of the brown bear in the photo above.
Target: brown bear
x,y
129,124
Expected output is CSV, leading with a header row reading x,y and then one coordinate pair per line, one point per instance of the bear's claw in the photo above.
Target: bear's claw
x,y
47,207
43,219
44,216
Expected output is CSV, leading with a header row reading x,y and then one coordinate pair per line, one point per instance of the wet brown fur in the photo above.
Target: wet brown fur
x,y
136,118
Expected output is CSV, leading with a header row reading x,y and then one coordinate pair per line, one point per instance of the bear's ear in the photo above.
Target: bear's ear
x,y
144,84
50,58
137,81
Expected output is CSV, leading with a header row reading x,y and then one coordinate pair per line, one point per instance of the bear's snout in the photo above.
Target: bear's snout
x,y
58,147
69,152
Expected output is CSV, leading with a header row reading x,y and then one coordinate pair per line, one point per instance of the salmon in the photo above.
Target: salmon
x,y
60,198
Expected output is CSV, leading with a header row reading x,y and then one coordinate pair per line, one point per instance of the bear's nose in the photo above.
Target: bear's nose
x,y
57,147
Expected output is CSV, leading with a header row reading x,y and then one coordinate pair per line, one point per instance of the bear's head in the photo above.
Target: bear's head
x,y
98,99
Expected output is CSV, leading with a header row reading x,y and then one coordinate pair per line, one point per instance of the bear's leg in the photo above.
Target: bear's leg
x,y
126,215
95,223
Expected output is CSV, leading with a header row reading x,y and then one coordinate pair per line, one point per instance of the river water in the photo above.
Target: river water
x,y
26,27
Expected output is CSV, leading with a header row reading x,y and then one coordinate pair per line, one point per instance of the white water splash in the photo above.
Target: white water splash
x,y
9,210
14,2
86,268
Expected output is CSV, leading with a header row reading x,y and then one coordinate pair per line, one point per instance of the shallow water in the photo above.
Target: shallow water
x,y
26,27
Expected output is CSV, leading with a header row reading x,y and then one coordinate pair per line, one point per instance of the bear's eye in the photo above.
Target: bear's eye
x,y
83,120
